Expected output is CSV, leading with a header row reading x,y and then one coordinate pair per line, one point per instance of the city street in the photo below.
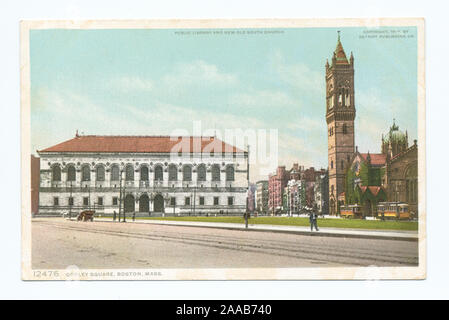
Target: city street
x,y
59,243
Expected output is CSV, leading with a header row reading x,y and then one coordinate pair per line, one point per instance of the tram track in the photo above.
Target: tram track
x,y
348,252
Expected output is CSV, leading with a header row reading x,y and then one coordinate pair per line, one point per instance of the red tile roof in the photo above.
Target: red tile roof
x,y
142,144
377,159
340,54
373,189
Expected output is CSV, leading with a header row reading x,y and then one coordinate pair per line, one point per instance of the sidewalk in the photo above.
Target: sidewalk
x,y
323,232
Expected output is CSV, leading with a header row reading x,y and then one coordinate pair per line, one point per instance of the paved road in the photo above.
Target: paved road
x,y
59,243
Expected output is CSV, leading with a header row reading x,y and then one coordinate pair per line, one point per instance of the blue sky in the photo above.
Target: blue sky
x,y
144,82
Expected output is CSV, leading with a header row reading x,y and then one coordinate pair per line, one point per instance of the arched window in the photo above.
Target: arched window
x,y
215,172
144,173
332,164
56,173
115,173
229,173
158,173
345,129
85,173
100,173
129,173
71,173
172,172
201,171
411,186
187,173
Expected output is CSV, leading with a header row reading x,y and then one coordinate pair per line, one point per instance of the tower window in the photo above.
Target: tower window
x,y
332,164
345,129
342,164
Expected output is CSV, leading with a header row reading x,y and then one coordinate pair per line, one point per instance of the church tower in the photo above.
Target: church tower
x,y
340,115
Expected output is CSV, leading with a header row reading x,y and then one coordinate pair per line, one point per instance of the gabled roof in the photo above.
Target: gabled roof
x,y
373,189
340,54
377,159
142,144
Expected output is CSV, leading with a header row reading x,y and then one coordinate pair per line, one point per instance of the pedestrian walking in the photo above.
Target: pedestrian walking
x,y
115,215
313,221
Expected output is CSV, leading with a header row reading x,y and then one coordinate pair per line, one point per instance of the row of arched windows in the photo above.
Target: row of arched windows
x,y
144,173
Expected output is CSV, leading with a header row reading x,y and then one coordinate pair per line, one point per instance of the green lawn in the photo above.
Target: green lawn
x,y
295,221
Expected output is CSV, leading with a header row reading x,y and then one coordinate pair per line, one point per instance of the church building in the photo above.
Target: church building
x,y
388,176
363,178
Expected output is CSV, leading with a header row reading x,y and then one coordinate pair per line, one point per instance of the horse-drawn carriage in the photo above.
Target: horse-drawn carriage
x,y
86,215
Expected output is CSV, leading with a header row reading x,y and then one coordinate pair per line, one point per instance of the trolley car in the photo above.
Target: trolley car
x,y
393,210
351,211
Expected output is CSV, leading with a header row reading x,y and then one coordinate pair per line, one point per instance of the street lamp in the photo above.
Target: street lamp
x,y
70,202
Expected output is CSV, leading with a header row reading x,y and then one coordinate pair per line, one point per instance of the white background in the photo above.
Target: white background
x,y
437,55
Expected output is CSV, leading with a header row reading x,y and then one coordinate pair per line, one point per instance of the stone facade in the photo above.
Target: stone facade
x,y
340,115
321,193
402,178
35,173
276,184
141,176
262,196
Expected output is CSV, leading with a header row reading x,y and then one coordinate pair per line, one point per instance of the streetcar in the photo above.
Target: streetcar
x,y
351,211
393,210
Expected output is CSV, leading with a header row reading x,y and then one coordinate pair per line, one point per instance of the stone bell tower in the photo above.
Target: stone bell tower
x,y
340,115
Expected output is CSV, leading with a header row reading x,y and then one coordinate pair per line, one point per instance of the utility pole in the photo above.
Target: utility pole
x,y
124,192
247,192
194,199
71,202
120,198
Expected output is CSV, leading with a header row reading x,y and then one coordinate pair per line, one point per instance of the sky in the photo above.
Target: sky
x,y
163,82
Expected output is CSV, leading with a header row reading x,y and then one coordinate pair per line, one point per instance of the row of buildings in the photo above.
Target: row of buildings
x,y
352,177
292,191
199,175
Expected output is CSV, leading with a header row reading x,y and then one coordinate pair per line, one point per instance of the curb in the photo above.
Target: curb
x,y
298,232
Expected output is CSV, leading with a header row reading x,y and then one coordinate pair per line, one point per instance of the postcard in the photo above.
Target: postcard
x,y
273,149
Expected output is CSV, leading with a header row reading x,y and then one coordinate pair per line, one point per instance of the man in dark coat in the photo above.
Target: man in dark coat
x,y
313,221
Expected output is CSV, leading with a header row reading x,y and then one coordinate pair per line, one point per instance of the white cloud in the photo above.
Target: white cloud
x,y
197,73
298,75
263,99
132,83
